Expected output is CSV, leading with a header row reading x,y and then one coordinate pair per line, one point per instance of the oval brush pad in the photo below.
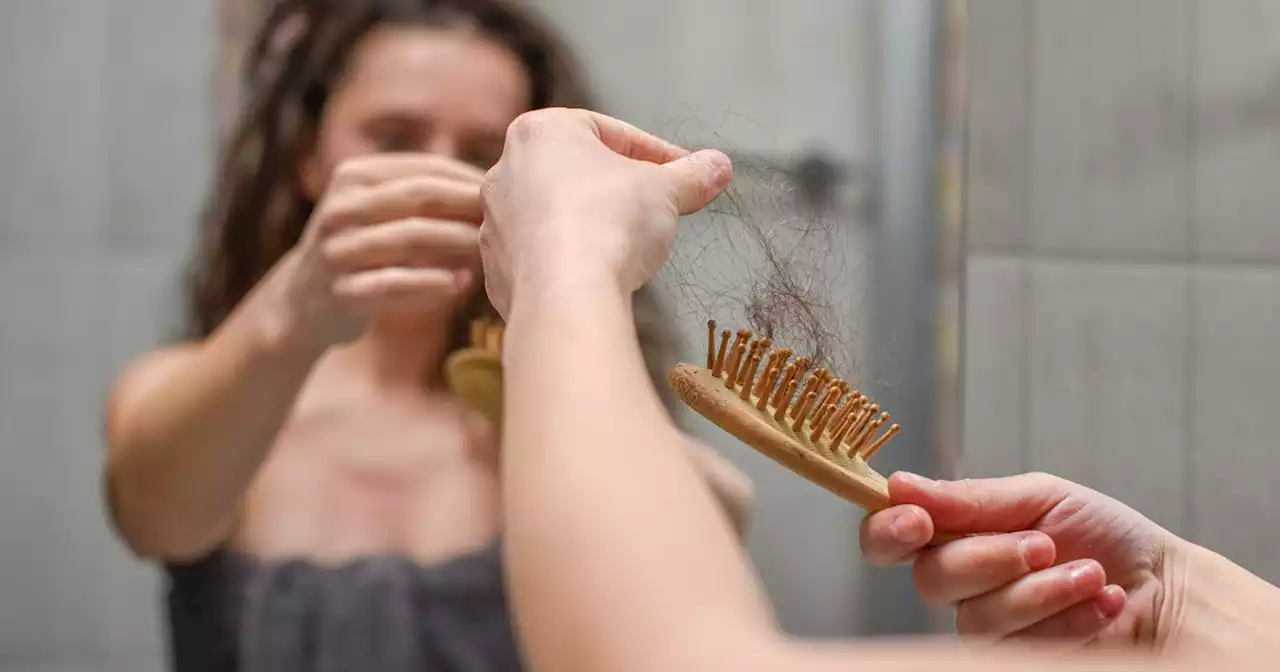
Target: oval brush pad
x,y
817,426
475,372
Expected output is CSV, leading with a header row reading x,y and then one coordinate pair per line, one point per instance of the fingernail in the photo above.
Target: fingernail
x,y
1079,569
461,279
1111,602
902,530
919,480
1037,550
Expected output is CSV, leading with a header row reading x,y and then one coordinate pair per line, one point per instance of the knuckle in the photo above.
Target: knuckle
x,y
487,189
341,208
972,619
331,252
423,194
350,171
1039,595
530,124
1043,480
925,575
487,240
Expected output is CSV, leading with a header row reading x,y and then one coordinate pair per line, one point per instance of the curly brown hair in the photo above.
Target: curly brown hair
x,y
259,207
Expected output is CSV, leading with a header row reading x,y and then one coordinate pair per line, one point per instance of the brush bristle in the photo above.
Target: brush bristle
x,y
816,405
487,334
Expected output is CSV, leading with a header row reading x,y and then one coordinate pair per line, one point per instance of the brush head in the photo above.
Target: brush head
x,y
814,424
475,373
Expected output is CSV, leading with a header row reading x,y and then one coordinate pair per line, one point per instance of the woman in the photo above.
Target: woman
x,y
320,501
580,187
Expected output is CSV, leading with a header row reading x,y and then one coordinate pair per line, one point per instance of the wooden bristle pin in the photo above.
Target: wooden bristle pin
x,y
742,363
790,394
843,412
874,448
802,411
828,404
871,431
787,379
765,346
735,361
753,367
724,344
821,422
493,340
771,379
845,427
864,420
810,387
753,355
821,418
770,371
711,344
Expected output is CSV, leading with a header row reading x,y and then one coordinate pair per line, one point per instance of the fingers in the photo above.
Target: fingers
x,y
983,505
378,168
699,178
894,536
403,285
632,142
1031,599
429,196
974,566
1081,622
408,242
617,135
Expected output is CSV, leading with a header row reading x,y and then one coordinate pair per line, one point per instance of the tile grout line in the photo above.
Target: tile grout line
x,y
1027,380
1259,265
1190,355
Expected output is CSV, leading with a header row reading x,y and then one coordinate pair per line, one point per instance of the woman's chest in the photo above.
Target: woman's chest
x,y
368,479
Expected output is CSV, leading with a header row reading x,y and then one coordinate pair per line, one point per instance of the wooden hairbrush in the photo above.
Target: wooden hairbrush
x,y
474,373
818,426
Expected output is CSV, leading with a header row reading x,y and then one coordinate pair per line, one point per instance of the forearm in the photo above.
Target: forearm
x,y
929,655
599,493
1216,605
186,443
733,490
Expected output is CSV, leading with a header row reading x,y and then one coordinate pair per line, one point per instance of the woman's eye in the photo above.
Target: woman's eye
x,y
482,158
391,142
393,139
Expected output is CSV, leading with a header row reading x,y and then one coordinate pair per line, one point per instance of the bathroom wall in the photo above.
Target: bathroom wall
x,y
1123,283
104,138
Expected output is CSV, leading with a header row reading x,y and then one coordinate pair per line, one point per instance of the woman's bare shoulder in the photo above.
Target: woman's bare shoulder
x,y
132,388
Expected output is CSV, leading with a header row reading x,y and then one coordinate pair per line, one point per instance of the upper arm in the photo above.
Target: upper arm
x,y
132,393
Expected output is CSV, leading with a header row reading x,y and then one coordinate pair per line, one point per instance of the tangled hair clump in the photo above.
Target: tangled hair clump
x,y
762,253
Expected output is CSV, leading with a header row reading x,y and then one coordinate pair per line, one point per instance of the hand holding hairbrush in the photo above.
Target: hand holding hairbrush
x,y
811,422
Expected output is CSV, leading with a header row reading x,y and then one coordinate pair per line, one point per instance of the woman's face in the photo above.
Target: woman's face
x,y
418,89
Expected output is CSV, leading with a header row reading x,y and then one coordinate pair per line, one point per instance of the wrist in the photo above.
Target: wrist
x,y
568,282
1213,604
281,331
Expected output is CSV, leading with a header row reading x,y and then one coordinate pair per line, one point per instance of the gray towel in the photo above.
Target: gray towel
x,y
230,613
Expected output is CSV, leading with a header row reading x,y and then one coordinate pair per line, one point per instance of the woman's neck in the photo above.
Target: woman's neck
x,y
399,351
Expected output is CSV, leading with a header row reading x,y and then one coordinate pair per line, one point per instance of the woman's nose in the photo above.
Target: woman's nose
x,y
443,144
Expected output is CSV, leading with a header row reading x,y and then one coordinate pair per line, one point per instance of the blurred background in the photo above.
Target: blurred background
x,y
1051,246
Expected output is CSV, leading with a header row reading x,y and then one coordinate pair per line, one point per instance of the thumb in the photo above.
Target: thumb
x,y
697,179
979,506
